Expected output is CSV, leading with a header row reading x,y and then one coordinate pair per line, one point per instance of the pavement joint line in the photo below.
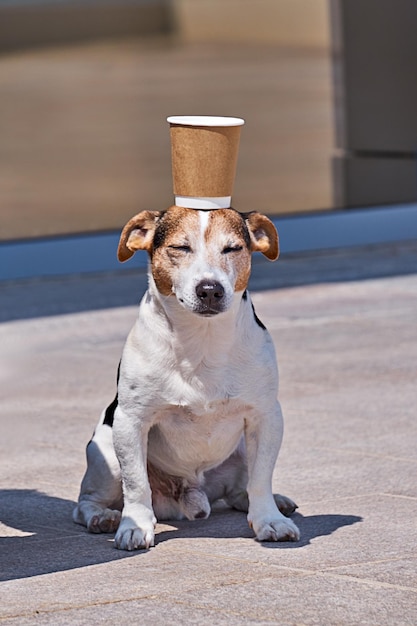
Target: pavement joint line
x,y
393,559
399,495
206,608
364,581
76,607
304,572
377,584
328,571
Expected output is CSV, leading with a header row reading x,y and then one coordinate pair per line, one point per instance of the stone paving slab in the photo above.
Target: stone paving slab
x,y
348,361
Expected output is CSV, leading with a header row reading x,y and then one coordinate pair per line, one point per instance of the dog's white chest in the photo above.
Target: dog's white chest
x,y
190,441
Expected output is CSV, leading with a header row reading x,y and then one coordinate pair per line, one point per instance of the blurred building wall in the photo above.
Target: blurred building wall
x,y
85,94
30,23
299,23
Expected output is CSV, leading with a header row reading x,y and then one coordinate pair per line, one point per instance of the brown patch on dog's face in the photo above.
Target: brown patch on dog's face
x,y
174,244
229,245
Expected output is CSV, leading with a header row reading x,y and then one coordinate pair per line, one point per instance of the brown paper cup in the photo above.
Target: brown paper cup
x,y
204,155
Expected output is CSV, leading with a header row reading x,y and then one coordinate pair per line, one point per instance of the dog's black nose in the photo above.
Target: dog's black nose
x,y
210,293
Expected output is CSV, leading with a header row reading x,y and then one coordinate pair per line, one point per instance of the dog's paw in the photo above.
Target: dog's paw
x,y
278,529
132,537
105,522
285,505
194,504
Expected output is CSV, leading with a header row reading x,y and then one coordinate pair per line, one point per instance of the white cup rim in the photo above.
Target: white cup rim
x,y
205,120
189,202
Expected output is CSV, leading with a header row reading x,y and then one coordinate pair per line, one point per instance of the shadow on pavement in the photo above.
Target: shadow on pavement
x,y
230,524
315,526
48,541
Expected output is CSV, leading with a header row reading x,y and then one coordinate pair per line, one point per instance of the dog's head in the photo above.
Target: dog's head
x,y
201,257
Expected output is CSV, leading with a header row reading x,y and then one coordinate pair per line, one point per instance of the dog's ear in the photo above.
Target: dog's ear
x,y
138,234
263,234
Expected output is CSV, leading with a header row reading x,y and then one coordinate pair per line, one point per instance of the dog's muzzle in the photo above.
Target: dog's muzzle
x,y
211,297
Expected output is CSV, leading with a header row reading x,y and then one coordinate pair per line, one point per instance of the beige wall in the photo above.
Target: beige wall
x,y
84,141
300,23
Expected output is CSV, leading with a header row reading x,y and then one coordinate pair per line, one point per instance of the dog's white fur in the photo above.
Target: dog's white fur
x,y
196,418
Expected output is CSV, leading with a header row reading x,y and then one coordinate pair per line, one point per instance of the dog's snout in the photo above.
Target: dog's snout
x,y
210,294
210,291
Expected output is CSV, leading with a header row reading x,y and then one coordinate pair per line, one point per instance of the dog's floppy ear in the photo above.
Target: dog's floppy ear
x,y
138,234
263,234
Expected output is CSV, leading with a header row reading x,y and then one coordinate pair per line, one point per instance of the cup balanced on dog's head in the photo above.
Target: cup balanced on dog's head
x,y
204,152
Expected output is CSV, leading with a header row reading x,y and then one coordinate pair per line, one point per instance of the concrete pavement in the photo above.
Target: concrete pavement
x,y
344,325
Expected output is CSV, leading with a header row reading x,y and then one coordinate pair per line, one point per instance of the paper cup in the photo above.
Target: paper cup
x,y
204,158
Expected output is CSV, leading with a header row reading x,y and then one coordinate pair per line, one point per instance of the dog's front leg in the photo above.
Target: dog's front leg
x,y
263,440
137,526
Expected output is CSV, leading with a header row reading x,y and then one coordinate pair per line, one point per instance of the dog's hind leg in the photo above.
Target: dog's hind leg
x,y
285,504
240,501
174,497
100,501
229,480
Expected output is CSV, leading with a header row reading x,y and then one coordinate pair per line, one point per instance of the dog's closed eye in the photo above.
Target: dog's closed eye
x,y
232,248
181,248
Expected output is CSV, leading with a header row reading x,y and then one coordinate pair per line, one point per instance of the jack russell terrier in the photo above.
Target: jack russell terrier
x,y
196,417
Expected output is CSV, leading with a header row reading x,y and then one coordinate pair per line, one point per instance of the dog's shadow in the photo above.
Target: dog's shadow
x,y
40,538
229,524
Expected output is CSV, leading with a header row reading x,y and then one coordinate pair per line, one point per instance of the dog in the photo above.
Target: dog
x,y
196,417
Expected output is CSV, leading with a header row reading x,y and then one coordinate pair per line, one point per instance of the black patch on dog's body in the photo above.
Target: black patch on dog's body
x,y
257,320
161,232
109,414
